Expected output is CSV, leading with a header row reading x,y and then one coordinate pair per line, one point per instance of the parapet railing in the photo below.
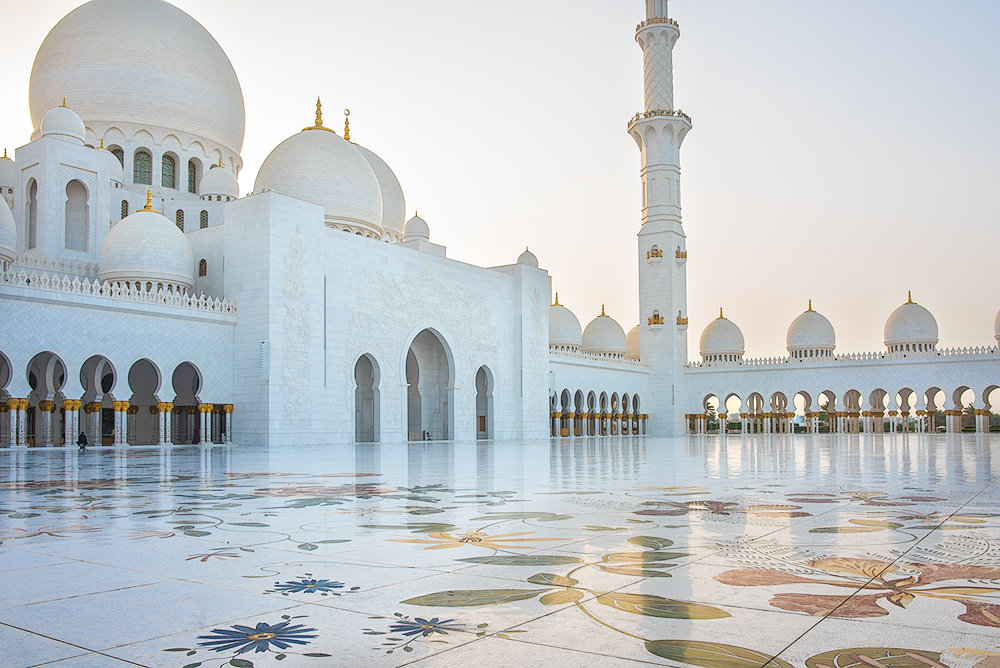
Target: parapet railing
x,y
655,20
57,265
653,113
20,278
968,352
597,357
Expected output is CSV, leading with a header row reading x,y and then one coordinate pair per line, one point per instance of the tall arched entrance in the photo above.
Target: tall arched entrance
x,y
484,403
366,400
430,403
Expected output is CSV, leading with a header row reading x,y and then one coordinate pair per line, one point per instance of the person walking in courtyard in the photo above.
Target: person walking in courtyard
x,y
82,442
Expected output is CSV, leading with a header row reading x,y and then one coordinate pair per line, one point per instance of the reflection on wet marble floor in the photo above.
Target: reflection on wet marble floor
x,y
825,551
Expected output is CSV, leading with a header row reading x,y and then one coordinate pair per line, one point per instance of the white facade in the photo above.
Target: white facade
x,y
145,302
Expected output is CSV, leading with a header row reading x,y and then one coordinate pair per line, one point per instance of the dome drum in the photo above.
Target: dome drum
x,y
722,341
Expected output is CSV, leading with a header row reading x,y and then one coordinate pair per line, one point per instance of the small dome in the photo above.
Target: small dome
x,y
318,166
528,258
564,328
9,175
416,228
62,122
604,336
632,344
911,325
721,337
393,202
8,233
219,181
811,331
115,167
146,247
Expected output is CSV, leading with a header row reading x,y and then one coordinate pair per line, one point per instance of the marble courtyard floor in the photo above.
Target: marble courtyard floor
x,y
799,551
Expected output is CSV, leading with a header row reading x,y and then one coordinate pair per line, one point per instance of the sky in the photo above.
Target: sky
x,y
844,152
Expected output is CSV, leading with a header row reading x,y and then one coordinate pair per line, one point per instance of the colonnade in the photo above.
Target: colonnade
x,y
597,424
843,422
201,424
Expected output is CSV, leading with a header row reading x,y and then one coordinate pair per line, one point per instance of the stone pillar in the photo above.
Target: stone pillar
x,y
43,433
4,424
165,409
571,421
132,427
206,426
71,420
18,423
93,425
154,412
121,418
228,410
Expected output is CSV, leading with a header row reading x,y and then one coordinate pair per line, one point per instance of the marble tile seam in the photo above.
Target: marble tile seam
x,y
61,642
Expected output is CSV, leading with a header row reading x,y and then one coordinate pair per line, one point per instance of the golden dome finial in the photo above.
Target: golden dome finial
x,y
603,314
909,297
63,103
5,153
102,143
721,317
319,118
557,300
347,124
810,310
149,200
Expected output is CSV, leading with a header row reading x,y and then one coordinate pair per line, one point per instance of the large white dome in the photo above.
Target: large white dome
x,y
632,344
147,248
564,328
721,337
8,232
142,62
393,202
911,328
318,166
810,332
604,336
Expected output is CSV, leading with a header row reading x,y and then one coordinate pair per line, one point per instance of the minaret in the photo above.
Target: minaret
x,y
659,130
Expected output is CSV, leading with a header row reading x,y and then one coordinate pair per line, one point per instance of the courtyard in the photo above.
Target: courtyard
x,y
786,550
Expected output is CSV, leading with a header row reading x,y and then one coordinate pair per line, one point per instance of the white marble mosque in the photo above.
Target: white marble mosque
x,y
146,302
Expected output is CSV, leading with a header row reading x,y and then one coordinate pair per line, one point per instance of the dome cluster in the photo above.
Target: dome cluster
x,y
356,188
603,336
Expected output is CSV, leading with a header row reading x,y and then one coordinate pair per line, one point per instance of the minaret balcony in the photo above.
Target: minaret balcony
x,y
680,255
663,114
654,255
655,20
655,321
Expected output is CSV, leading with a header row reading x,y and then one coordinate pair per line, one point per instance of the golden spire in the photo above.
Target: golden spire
x,y
5,153
810,310
721,317
347,124
64,103
909,297
149,202
102,143
220,161
603,314
319,118
525,248
557,300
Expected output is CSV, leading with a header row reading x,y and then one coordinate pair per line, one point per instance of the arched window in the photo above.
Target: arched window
x,y
179,218
203,267
77,217
204,219
33,214
169,164
142,171
124,208
118,153
192,176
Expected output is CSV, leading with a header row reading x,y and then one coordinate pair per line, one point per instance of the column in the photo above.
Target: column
x,y
206,427
4,425
165,409
154,412
18,422
571,422
43,435
132,427
121,420
70,420
93,422
227,409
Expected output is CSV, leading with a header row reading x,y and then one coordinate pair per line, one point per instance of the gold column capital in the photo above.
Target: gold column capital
x,y
203,408
228,408
46,406
93,407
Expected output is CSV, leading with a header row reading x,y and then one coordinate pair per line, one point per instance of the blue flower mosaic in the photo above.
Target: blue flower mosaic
x,y
425,627
307,586
259,638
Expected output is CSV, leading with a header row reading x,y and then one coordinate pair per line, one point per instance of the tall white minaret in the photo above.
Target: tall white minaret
x,y
659,130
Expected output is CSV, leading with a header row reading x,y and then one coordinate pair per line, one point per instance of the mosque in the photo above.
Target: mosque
x,y
145,301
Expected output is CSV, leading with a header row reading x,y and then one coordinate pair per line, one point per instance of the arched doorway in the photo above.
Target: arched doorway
x,y
186,426
484,403
143,422
41,422
366,400
430,401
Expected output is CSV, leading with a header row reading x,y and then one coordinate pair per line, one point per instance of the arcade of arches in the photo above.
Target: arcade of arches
x,y
880,411
138,411
595,415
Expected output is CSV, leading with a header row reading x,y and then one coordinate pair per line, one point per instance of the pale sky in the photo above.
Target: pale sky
x,y
842,151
